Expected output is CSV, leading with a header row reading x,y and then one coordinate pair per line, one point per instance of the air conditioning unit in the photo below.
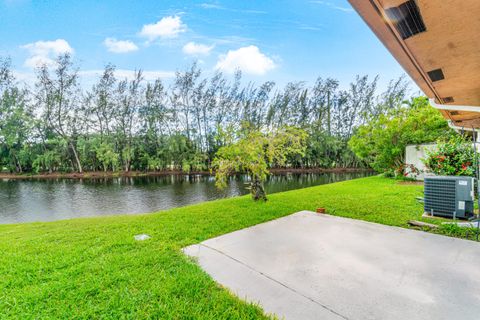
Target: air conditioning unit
x,y
449,196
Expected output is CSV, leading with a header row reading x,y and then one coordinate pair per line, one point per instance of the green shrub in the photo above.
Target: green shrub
x,y
381,142
452,157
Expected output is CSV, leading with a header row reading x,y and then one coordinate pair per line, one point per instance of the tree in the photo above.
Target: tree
x,y
101,102
288,107
392,98
16,122
154,117
183,96
58,97
254,102
107,156
255,153
323,98
382,141
129,99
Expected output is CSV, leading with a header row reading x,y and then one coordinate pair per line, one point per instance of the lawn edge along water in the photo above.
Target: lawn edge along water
x,y
93,268
275,195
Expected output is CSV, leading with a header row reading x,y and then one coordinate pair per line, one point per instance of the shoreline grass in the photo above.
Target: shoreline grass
x,y
92,267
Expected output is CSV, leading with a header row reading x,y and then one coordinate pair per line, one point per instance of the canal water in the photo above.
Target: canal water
x,y
57,199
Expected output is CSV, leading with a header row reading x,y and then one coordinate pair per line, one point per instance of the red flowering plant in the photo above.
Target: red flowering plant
x,y
453,157
407,171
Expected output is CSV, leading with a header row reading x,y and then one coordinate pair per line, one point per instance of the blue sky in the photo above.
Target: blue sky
x,y
280,40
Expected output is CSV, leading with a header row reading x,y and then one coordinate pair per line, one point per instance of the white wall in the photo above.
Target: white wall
x,y
414,155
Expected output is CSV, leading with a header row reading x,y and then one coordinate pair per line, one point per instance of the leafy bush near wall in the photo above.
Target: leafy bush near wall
x,y
452,157
381,142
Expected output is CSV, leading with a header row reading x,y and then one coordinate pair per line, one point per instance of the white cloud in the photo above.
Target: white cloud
x,y
332,6
215,6
38,61
27,78
167,27
210,6
248,59
45,52
149,75
196,49
119,46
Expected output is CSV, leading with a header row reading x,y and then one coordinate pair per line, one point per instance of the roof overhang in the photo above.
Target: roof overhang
x,y
450,42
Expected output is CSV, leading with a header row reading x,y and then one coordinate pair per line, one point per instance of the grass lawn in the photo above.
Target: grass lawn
x,y
93,268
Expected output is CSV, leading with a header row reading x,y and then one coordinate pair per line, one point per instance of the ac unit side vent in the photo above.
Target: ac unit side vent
x,y
407,19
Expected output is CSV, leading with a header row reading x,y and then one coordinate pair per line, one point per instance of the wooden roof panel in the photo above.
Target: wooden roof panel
x,y
451,42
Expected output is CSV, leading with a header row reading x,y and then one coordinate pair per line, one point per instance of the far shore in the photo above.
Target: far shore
x,y
113,174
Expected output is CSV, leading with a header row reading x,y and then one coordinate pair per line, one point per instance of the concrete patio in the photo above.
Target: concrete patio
x,y
310,266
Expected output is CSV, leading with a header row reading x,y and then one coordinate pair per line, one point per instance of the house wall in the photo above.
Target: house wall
x,y
414,155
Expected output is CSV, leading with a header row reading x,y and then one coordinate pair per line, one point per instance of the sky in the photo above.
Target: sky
x,y
279,40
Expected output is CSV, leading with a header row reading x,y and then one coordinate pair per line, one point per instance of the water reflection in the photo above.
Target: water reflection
x,y
47,200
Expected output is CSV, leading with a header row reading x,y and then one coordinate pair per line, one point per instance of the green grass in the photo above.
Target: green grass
x,y
93,268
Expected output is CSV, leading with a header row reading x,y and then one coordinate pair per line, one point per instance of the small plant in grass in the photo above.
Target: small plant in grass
x,y
453,230
452,157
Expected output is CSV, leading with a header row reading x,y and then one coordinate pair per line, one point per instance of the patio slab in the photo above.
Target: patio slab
x,y
310,266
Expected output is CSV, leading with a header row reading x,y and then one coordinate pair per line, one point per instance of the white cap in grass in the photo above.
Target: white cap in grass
x,y
141,237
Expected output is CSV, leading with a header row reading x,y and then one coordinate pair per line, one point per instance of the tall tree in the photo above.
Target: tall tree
x,y
129,99
254,103
59,98
16,120
100,102
183,96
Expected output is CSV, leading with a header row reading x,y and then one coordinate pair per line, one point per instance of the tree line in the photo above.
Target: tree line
x,y
58,125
